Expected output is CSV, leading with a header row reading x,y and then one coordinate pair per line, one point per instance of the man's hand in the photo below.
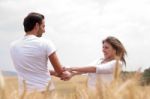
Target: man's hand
x,y
53,73
66,75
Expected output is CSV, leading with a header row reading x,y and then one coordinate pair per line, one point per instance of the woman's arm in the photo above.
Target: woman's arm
x,y
82,70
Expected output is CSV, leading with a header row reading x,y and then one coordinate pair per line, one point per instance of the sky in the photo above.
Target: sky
x,y
77,28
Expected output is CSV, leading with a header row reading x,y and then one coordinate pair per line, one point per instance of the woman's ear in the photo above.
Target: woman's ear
x,y
114,52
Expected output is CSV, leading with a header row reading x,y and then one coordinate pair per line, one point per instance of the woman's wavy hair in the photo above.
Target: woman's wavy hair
x,y
118,46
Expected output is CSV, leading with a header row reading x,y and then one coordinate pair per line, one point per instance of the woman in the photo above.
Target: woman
x,y
104,67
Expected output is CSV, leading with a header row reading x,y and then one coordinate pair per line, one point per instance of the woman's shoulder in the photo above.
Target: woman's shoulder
x,y
113,62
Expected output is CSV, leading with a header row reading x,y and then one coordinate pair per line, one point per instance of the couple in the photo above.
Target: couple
x,y
31,53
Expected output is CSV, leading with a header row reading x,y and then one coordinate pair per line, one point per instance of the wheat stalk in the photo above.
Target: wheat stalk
x,y
24,90
2,85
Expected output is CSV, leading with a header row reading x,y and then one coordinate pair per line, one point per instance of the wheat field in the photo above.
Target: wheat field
x,y
76,88
64,89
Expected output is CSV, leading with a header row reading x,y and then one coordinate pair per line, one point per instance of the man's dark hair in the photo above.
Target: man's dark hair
x,y
31,19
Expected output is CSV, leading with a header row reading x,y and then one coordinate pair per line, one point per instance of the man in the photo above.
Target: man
x,y
31,53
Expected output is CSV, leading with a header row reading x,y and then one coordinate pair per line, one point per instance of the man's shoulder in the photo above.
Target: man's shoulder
x,y
15,42
45,40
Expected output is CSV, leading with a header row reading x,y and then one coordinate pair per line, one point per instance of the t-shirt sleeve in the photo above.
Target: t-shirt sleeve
x,y
106,68
49,47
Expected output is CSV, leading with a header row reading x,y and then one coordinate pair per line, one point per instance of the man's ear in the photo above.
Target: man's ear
x,y
37,26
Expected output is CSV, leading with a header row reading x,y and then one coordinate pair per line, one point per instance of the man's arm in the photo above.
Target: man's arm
x,y
56,64
59,71
53,73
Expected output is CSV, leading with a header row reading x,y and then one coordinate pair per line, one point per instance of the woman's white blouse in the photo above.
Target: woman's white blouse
x,y
104,71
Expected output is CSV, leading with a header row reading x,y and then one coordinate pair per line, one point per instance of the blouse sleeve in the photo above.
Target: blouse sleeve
x,y
106,68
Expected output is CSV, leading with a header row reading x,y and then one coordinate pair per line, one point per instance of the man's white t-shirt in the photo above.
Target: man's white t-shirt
x,y
104,71
30,58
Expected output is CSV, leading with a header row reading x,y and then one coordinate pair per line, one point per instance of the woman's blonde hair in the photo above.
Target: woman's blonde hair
x,y
118,46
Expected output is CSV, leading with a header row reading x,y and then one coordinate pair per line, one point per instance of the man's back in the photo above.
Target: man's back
x,y
30,56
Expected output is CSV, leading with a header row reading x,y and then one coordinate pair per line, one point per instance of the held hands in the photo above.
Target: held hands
x,y
66,75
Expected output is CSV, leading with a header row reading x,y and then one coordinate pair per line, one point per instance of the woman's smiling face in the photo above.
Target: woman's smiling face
x,y
108,51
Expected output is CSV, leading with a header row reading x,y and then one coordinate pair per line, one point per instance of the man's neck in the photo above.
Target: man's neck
x,y
31,33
